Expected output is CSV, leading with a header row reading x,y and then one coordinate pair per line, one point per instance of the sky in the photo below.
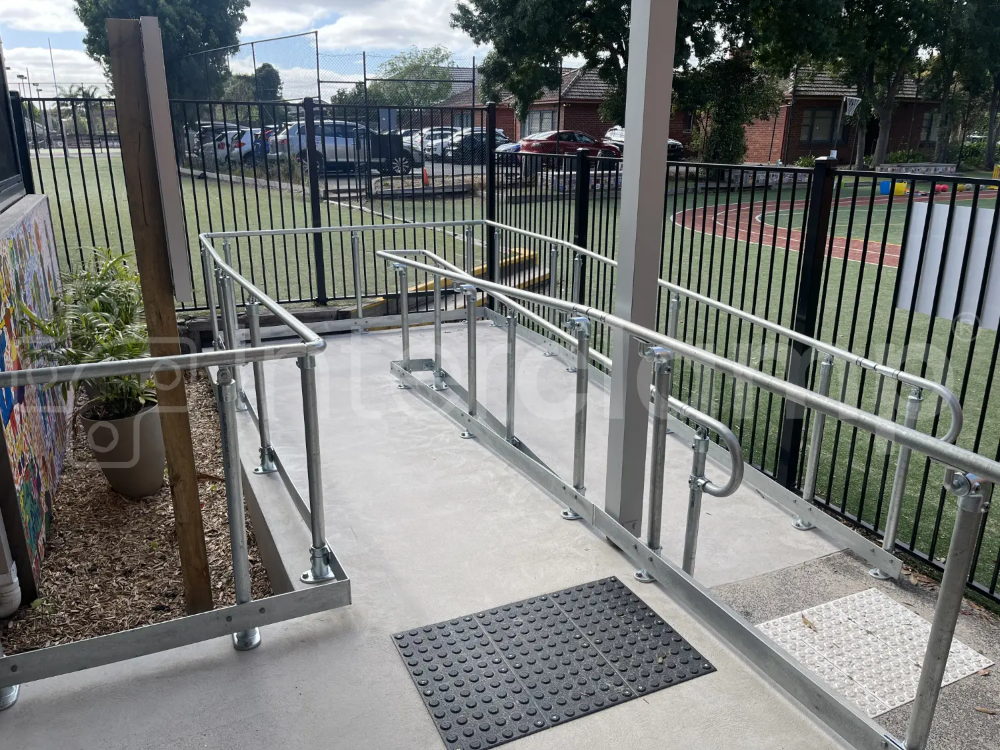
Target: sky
x,y
381,27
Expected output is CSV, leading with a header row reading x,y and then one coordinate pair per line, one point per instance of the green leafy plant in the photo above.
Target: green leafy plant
x,y
905,157
98,317
805,161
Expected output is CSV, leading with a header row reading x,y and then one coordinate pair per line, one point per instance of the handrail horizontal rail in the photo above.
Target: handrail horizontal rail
x,y
311,343
935,448
945,393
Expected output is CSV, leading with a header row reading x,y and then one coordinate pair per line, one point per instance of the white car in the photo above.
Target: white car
x,y
242,145
430,136
436,149
215,152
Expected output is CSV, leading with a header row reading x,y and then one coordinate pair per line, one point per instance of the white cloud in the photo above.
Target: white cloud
x,y
265,19
72,66
394,25
40,15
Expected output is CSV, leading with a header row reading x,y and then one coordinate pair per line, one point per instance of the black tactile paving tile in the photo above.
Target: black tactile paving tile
x,y
503,673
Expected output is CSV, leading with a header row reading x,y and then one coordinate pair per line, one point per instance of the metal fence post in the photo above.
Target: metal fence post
x,y
696,483
230,325
314,158
968,520
21,141
673,313
439,384
511,374
319,552
913,402
815,445
582,218
228,395
581,326
404,313
356,259
806,313
492,244
470,315
263,418
662,385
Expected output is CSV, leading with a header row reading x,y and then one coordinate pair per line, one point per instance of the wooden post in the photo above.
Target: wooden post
x,y
149,232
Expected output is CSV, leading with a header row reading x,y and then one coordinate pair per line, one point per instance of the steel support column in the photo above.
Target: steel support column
x,y
647,111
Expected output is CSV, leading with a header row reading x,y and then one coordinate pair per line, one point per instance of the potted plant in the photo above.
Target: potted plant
x,y
98,317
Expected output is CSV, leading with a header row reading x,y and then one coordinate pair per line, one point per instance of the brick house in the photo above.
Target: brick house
x,y
575,105
805,123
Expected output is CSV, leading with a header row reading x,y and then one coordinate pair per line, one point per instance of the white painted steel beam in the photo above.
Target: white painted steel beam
x,y
644,176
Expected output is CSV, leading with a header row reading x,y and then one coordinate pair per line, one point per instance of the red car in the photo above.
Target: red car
x,y
566,142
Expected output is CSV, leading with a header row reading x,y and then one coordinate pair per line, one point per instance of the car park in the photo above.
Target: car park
x,y
555,142
345,145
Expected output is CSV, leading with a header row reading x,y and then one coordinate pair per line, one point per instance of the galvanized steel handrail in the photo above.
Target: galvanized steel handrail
x,y
945,393
728,437
679,407
935,448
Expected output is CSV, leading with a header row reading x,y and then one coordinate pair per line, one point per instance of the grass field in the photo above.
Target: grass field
x,y
856,309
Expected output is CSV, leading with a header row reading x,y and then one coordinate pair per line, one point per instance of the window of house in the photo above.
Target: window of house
x,y
461,119
688,122
540,120
929,128
817,125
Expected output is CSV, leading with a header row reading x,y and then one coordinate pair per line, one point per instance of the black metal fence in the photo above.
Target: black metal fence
x,y
896,268
245,166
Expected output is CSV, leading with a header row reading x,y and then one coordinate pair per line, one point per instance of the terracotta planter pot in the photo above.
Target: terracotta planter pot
x,y
129,451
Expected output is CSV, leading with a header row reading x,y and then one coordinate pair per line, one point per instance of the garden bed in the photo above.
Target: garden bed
x,y
111,563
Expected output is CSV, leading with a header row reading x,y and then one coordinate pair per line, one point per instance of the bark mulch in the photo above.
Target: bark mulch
x,y
111,562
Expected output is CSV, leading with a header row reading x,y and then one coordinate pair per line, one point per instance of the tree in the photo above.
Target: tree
x,y
415,77
263,85
724,96
187,27
530,40
876,49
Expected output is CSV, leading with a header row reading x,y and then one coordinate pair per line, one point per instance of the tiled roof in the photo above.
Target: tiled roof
x,y
580,83
812,82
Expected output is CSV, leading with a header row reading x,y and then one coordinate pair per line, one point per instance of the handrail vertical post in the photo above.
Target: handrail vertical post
x,y
470,315
470,250
673,311
230,326
228,395
208,276
968,520
260,387
404,313
319,552
581,326
696,483
577,278
662,385
550,350
356,256
913,403
439,384
815,445
511,374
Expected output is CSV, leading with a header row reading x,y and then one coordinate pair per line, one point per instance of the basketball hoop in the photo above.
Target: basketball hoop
x,y
852,103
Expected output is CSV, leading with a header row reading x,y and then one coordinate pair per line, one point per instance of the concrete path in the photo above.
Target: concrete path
x,y
429,527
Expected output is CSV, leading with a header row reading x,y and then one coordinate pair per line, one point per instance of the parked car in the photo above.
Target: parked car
x,y
345,145
616,136
436,149
469,147
413,142
430,136
566,142
242,145
508,155
215,152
